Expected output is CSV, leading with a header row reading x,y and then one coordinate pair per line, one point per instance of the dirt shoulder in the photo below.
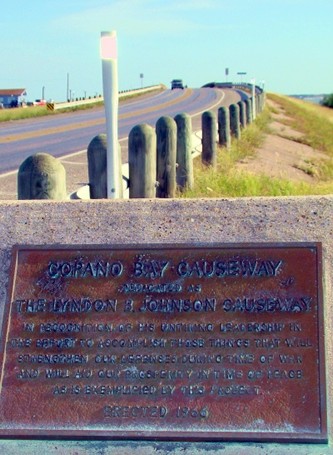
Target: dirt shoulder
x,y
282,154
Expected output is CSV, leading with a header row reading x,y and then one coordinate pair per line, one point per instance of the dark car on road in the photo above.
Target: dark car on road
x,y
177,83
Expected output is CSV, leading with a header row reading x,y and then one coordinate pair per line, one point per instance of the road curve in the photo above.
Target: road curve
x,y
64,134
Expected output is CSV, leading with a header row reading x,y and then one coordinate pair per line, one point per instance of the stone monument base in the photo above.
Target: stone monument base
x,y
169,222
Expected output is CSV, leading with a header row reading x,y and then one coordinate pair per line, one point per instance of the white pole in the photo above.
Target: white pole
x,y
67,98
253,99
110,94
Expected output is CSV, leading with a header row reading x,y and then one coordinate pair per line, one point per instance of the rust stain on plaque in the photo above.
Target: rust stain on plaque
x,y
175,342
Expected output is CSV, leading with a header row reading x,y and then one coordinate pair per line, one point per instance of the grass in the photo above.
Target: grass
x,y
316,124
314,121
227,181
20,113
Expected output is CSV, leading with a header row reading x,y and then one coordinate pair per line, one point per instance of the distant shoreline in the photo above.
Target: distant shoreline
x,y
317,99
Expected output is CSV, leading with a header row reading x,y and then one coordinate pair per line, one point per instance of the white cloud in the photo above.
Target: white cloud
x,y
139,17
195,4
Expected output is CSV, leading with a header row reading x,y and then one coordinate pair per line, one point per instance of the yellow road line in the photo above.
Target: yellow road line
x,y
88,123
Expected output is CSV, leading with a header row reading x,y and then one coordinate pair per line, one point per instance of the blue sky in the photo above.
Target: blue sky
x,y
286,43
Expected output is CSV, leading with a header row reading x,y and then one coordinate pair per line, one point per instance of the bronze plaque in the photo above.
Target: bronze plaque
x,y
195,342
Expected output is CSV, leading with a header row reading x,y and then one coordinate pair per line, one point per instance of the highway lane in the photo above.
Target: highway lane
x,y
68,133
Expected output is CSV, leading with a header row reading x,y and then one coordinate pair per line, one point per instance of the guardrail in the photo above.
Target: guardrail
x,y
81,102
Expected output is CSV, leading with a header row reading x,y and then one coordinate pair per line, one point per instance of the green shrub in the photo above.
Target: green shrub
x,y
328,101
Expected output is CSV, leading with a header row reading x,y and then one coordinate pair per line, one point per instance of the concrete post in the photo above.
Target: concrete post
x,y
209,136
242,113
166,134
97,167
234,121
185,178
142,162
248,105
41,176
224,127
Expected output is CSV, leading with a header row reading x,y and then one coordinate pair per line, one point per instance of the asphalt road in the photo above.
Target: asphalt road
x,y
68,135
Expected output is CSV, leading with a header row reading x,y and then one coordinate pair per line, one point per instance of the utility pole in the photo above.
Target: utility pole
x,y
67,96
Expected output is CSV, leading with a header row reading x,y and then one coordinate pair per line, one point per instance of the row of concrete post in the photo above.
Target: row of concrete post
x,y
160,159
230,121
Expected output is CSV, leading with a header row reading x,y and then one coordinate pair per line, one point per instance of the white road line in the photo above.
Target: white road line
x,y
211,107
8,174
62,158
84,151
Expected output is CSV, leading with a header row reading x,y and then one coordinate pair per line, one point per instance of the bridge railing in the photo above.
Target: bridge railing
x,y
99,98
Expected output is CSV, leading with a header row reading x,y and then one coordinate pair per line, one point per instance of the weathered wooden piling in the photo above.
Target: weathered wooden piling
x,y
209,136
97,156
142,162
185,178
41,176
224,127
234,121
166,136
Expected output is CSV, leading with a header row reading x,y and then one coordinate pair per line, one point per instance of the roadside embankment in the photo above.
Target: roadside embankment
x,y
287,151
